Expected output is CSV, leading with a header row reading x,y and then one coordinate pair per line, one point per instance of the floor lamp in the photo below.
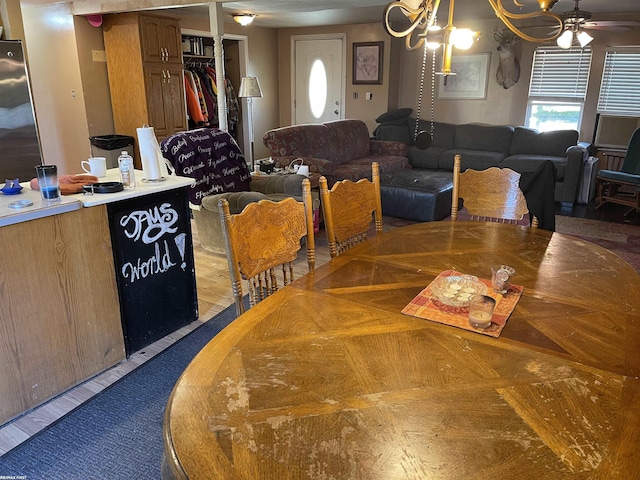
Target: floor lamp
x,y
250,89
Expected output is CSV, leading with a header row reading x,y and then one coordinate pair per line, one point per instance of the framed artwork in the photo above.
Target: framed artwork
x,y
367,63
470,79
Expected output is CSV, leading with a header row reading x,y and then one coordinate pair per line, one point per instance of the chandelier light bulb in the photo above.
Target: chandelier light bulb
x,y
462,38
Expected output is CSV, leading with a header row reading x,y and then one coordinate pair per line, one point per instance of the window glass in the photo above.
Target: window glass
x,y
620,86
317,88
558,88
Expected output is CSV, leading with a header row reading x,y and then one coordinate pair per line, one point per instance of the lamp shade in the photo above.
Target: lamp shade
x,y
249,87
566,39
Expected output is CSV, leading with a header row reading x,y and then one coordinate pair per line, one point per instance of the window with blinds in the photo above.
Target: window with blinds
x,y
620,87
558,88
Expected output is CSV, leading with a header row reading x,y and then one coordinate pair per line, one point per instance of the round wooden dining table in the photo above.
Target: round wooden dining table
x,y
328,379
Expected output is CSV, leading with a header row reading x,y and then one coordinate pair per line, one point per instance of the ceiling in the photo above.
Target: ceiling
x,y
308,13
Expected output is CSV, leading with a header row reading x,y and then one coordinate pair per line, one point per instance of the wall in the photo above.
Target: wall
x,y
366,110
56,85
95,80
502,106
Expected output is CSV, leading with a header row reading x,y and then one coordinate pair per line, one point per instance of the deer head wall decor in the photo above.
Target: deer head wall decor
x,y
508,72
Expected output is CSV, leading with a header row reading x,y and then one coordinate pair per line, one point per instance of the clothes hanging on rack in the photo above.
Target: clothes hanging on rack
x,y
202,97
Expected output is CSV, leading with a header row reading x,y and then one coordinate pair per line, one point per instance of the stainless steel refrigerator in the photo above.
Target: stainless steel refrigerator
x,y
19,143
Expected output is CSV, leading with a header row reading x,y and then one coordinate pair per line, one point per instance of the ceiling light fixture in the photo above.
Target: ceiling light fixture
x,y
422,15
244,19
573,20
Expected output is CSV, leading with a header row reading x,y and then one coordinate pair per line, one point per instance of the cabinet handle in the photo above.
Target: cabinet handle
x,y
164,76
168,76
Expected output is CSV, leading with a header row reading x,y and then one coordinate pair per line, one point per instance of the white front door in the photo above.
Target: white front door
x,y
319,79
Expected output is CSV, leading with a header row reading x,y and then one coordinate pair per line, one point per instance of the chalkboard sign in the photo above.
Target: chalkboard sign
x,y
155,271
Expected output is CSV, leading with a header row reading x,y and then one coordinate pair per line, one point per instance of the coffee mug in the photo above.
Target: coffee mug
x,y
96,166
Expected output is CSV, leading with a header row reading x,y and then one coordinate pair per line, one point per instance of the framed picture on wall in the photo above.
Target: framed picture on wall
x,y
367,63
470,79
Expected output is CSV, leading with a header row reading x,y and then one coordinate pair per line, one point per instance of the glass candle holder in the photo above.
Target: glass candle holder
x,y
501,278
48,184
481,311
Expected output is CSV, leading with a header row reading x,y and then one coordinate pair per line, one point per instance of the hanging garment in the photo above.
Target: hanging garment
x,y
193,105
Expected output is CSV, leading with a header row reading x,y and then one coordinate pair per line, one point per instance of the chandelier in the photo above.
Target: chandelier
x,y
422,15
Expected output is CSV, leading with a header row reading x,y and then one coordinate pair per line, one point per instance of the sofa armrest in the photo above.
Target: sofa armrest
x,y
290,185
576,156
316,165
389,147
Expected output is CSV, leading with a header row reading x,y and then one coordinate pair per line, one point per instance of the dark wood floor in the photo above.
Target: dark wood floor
x,y
608,212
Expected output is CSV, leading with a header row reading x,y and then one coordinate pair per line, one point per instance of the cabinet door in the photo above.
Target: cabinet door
x,y
175,107
161,39
165,99
155,79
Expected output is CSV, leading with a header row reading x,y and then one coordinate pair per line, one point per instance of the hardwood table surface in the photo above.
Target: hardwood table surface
x,y
327,379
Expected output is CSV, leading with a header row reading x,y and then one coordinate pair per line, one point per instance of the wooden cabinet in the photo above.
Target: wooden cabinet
x,y
161,39
144,60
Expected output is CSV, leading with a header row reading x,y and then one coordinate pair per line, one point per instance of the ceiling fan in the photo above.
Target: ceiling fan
x,y
576,20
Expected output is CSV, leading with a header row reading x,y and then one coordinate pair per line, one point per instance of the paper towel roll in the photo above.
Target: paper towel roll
x,y
150,155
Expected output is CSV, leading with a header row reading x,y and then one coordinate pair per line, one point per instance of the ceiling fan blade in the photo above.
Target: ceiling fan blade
x,y
613,25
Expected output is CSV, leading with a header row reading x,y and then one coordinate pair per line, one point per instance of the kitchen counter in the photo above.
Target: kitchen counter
x,y
84,287
10,216
69,203
142,188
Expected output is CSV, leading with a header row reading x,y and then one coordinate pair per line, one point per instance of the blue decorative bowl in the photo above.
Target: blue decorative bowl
x,y
11,190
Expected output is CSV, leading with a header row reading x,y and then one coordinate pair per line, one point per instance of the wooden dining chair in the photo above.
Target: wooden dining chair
x,y
348,210
491,195
264,238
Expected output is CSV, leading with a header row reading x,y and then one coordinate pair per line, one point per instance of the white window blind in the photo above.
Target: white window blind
x,y
559,73
620,87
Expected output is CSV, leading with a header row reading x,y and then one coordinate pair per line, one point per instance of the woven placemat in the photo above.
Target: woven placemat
x,y
426,306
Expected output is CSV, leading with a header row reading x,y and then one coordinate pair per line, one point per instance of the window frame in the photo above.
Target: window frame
x,y
565,83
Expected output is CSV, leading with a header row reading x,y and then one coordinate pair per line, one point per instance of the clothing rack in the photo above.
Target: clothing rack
x,y
200,63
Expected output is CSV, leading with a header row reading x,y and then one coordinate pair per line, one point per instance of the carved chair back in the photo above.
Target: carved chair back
x,y
263,241
491,195
348,208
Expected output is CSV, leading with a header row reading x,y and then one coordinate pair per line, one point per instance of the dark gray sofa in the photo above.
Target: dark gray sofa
x,y
483,146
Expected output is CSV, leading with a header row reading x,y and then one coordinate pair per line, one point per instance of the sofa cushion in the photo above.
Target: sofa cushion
x,y
425,159
554,143
394,116
310,140
443,133
349,139
361,167
475,159
530,163
398,133
492,138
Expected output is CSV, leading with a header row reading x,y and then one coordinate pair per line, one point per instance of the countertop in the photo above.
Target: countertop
x,y
10,216
68,203
141,188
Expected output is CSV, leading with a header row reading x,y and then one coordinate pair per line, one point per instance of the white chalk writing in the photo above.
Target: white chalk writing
x,y
158,263
150,225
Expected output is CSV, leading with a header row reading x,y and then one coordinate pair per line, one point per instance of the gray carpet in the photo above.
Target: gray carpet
x,y
118,433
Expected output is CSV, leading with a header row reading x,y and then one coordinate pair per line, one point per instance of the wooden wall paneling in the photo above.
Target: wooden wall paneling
x,y
59,310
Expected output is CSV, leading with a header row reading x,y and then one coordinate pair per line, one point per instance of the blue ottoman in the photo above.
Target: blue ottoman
x,y
419,195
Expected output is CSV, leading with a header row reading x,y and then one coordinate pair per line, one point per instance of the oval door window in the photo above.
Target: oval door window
x,y
317,88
